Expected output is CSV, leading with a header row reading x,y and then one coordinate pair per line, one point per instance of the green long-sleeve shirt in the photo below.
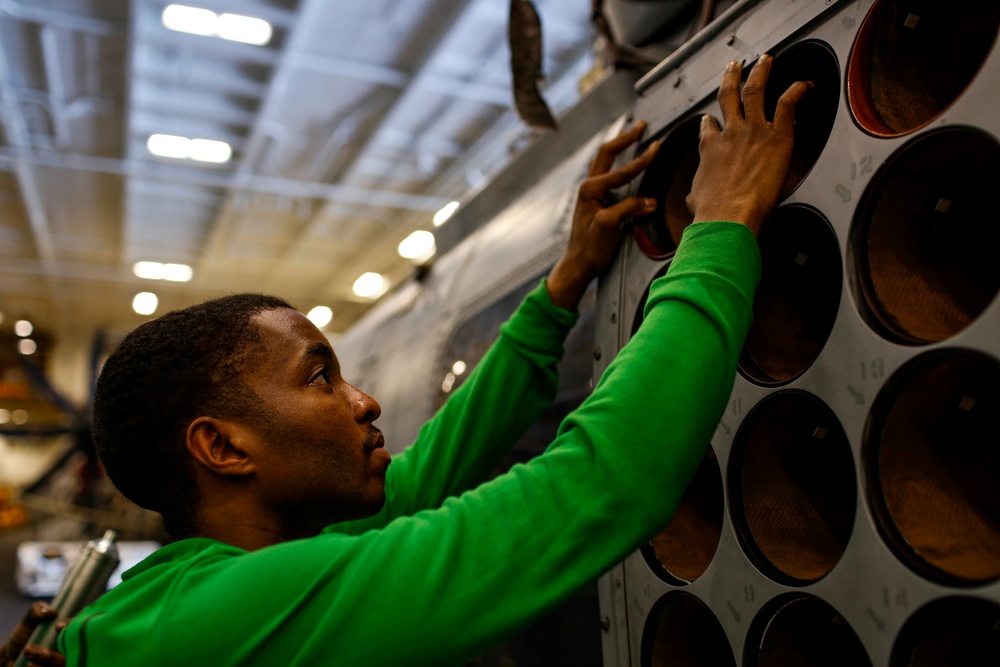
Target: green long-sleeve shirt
x,y
435,579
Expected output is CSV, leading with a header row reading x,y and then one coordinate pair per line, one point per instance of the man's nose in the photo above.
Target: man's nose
x,y
366,408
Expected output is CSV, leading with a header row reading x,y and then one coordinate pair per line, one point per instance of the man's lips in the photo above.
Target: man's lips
x,y
375,440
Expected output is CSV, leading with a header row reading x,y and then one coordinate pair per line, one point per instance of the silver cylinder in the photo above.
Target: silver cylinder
x,y
85,581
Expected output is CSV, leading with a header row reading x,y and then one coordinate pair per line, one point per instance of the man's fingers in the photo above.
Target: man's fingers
x,y
37,613
605,183
629,207
784,113
709,125
44,657
753,91
729,94
607,153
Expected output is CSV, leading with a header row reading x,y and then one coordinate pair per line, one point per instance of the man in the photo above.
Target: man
x,y
300,543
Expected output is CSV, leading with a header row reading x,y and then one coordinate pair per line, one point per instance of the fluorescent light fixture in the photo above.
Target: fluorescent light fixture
x,y
207,150
182,148
234,27
169,145
446,212
148,270
190,19
23,328
320,316
246,29
26,346
369,285
145,303
179,273
417,246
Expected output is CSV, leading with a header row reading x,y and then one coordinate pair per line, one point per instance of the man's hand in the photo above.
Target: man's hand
x,y
744,166
597,225
37,614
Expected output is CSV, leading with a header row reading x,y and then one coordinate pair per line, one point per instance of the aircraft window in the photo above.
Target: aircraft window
x,y
934,467
912,60
682,631
950,632
668,180
792,488
925,236
806,61
796,302
799,629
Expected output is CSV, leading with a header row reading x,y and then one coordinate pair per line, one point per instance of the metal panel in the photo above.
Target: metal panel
x,y
873,587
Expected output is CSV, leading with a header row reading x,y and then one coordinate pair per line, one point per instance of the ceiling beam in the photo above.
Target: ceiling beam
x,y
431,42
215,179
62,19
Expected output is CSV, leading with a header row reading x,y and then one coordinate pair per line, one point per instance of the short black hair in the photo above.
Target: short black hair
x,y
165,374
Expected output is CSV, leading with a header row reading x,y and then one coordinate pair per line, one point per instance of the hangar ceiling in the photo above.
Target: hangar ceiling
x,y
349,129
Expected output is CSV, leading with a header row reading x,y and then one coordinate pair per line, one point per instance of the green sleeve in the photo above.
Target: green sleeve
x,y
441,586
510,388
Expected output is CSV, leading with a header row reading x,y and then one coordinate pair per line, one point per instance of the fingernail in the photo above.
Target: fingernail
x,y
731,67
654,146
649,204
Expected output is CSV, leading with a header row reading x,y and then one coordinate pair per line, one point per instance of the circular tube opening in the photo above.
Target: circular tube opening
x,y
682,631
926,235
792,487
806,61
668,180
684,549
798,296
912,59
950,632
933,465
797,630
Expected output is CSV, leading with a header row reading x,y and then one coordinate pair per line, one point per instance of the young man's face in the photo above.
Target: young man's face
x,y
318,456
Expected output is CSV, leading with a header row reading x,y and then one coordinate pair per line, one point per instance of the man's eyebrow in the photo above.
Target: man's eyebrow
x,y
321,350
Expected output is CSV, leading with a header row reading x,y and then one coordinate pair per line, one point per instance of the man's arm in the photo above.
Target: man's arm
x,y
447,583
516,380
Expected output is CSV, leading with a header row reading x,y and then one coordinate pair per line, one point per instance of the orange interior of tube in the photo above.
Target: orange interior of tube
x,y
668,180
911,60
805,632
796,303
939,465
683,632
929,265
798,485
686,547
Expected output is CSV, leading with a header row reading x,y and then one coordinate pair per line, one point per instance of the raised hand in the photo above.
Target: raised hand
x,y
743,166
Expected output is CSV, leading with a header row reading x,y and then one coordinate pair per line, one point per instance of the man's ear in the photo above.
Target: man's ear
x,y
218,445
